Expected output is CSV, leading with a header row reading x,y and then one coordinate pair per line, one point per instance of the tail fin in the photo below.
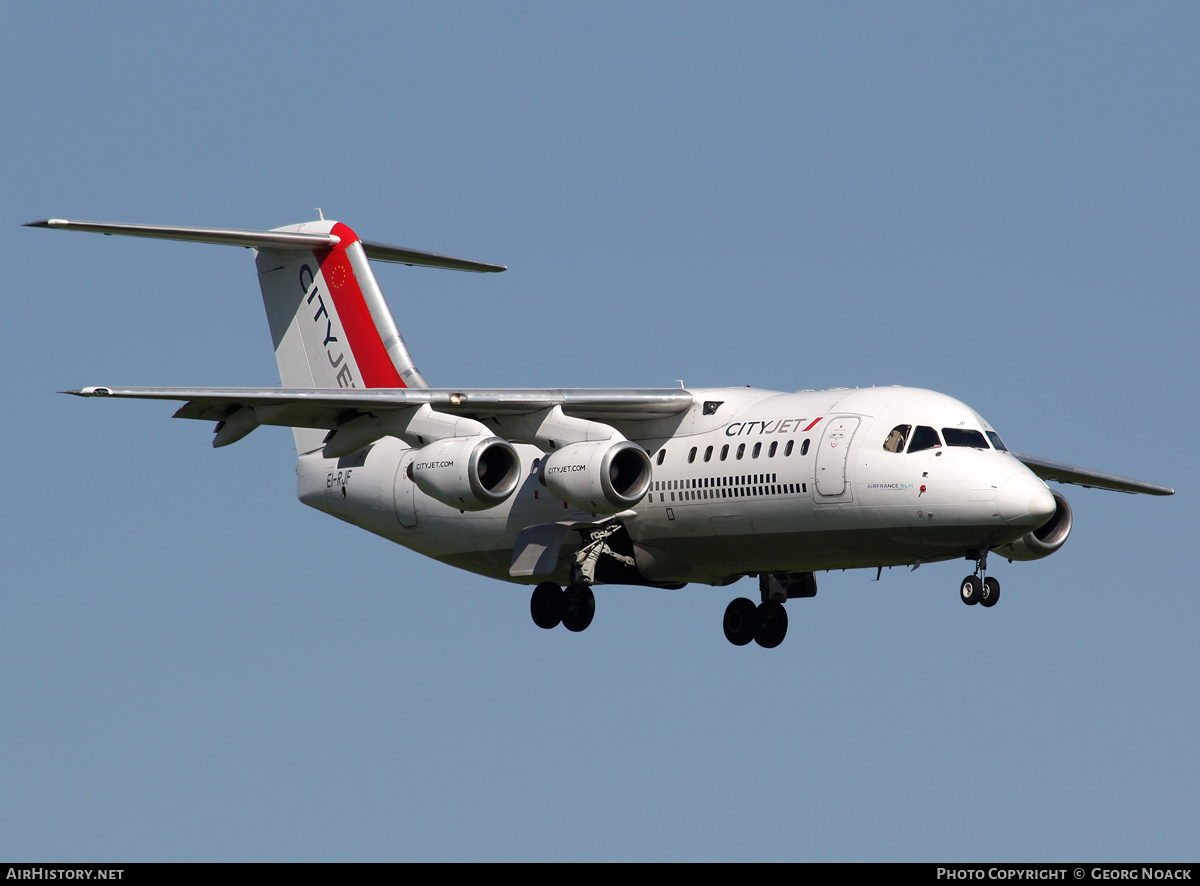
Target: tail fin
x,y
329,322
330,325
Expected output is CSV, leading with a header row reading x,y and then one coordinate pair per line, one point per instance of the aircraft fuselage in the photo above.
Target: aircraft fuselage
x,y
746,481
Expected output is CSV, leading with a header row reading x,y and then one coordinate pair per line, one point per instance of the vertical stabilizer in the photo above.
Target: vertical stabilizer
x,y
330,325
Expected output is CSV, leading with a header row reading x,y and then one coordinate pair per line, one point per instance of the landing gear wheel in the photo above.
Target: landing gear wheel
x,y
991,592
579,606
971,590
741,621
773,627
546,605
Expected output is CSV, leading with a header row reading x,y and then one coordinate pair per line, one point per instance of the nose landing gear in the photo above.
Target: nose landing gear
x,y
977,589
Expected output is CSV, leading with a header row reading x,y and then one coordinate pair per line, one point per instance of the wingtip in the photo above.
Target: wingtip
x,y
89,392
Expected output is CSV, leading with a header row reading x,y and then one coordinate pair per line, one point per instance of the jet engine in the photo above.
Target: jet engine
x,y
602,477
468,473
1046,539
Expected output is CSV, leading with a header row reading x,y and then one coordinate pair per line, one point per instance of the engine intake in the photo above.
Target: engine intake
x,y
1046,539
468,473
602,477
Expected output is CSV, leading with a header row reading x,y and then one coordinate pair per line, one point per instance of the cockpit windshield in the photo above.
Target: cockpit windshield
x,y
924,438
964,437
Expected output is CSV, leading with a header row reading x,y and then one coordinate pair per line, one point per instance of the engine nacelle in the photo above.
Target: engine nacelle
x,y
468,473
1046,539
602,477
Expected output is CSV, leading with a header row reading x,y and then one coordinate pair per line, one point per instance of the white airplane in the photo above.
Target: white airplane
x,y
566,489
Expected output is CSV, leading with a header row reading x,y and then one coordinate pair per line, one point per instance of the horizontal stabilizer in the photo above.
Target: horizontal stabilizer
x,y
219,236
1064,473
400,255
273,240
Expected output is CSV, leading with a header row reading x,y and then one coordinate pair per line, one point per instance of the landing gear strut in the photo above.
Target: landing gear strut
x,y
977,589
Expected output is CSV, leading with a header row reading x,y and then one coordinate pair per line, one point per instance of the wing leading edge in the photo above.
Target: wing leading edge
x,y
326,408
1065,473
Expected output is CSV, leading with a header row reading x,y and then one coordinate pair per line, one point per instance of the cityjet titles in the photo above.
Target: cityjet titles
x,y
775,426
565,469
345,376
428,465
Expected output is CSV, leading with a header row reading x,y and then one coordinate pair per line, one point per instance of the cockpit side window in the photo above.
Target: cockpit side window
x,y
996,441
964,437
924,438
896,439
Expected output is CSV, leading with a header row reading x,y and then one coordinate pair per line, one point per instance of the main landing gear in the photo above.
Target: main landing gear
x,y
573,608
766,624
605,556
977,589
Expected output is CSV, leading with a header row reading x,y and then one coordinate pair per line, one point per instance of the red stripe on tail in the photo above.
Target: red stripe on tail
x,y
374,363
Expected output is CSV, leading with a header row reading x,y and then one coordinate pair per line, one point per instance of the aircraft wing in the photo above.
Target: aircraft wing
x,y
327,408
1064,473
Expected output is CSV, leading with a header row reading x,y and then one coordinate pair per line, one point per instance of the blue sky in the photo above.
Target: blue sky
x,y
997,202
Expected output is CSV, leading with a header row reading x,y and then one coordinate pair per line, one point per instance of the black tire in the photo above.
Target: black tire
x,y
741,621
546,605
971,590
773,625
579,607
991,592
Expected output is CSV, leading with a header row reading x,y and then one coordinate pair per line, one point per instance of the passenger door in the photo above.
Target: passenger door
x,y
832,455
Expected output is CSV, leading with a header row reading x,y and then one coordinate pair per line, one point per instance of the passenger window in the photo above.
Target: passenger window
x,y
741,450
771,451
996,441
897,438
787,450
692,455
924,438
661,455
724,451
708,454
964,437
804,448
757,450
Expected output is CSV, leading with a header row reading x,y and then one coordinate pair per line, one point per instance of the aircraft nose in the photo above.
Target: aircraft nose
x,y
1024,498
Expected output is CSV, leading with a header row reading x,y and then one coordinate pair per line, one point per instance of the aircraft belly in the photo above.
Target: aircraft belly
x,y
708,559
